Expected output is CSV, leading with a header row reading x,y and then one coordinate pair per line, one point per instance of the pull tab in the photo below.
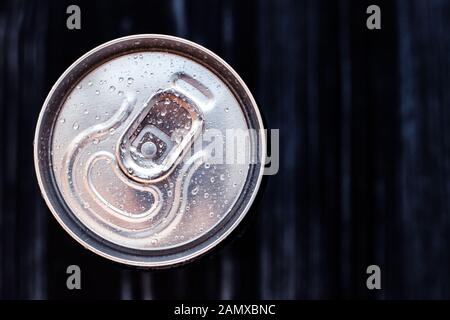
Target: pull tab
x,y
156,140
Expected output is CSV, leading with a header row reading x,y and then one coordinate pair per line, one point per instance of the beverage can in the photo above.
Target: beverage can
x,y
149,150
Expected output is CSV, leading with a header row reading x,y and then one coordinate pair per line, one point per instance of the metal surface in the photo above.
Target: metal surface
x,y
115,150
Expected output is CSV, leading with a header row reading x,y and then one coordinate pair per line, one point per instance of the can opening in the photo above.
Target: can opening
x,y
155,141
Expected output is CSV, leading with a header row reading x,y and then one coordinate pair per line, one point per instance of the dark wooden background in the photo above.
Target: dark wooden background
x,y
364,120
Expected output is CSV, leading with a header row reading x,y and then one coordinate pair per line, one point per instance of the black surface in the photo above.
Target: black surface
x,y
365,148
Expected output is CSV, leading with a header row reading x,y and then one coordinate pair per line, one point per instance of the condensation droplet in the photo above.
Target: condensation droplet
x,y
112,88
62,120
75,126
90,83
97,92
130,80
194,190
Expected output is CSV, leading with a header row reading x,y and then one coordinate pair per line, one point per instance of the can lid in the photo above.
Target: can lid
x,y
149,150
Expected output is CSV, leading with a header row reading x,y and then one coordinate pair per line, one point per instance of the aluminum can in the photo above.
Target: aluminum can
x,y
149,150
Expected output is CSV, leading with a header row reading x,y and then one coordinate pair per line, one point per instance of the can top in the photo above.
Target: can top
x,y
149,150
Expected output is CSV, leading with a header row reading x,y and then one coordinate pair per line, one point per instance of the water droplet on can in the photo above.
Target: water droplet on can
x,y
194,190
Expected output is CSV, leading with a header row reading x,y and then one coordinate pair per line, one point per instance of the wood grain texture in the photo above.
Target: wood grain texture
x,y
365,148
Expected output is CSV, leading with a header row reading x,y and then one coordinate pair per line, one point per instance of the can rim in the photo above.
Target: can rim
x,y
226,231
